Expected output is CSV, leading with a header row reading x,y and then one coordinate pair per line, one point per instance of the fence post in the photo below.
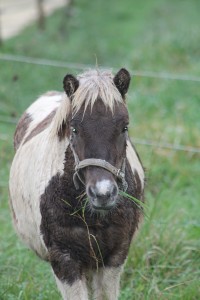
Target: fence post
x,y
1,38
41,14
67,14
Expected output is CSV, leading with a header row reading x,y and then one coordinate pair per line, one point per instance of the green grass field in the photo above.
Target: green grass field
x,y
155,35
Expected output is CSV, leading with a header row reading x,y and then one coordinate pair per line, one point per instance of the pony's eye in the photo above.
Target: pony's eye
x,y
74,130
125,129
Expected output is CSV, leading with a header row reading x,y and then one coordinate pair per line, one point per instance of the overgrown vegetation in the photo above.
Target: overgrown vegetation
x,y
154,35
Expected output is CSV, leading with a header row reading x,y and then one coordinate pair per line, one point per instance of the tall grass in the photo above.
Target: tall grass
x,y
156,35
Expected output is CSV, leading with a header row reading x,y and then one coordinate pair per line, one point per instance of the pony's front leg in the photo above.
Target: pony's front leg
x,y
105,283
111,282
75,291
69,277
97,288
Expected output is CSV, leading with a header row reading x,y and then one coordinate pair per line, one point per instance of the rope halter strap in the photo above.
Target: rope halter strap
x,y
119,173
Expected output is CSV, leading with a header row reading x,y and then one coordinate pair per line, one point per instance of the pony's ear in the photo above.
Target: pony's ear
x,y
70,84
122,80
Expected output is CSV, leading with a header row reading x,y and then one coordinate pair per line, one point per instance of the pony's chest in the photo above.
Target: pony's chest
x,y
85,237
97,244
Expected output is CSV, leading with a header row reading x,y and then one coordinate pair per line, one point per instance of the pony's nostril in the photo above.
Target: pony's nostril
x,y
91,192
114,191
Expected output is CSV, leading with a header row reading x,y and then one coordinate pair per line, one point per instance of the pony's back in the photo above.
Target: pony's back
x,y
37,117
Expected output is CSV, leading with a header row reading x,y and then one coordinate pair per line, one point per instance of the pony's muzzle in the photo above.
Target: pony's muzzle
x,y
102,194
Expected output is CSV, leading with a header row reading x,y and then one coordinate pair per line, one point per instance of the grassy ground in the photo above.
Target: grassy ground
x,y
154,35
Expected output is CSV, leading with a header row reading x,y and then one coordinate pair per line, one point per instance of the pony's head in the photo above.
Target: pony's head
x,y
98,133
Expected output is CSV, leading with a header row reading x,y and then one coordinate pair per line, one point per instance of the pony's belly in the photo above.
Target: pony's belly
x,y
25,207
26,226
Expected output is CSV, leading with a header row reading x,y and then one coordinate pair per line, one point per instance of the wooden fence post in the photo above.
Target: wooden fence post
x,y
41,14
1,37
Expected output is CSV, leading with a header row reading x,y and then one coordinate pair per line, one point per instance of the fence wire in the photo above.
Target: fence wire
x,y
166,145
136,141
77,66
153,144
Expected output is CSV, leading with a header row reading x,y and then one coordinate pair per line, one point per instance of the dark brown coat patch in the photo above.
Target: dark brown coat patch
x,y
21,129
65,232
41,126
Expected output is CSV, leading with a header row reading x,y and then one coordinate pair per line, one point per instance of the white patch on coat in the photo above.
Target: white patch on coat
x,y
40,109
103,186
34,164
75,291
44,105
134,162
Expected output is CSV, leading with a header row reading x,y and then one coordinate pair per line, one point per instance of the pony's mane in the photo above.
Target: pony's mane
x,y
93,85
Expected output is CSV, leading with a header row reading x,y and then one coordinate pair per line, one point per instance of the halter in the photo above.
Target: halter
x,y
119,173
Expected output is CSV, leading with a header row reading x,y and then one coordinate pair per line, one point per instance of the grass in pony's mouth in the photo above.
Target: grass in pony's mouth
x,y
141,205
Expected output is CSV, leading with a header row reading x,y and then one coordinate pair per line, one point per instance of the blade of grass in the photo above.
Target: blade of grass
x,y
65,201
94,237
141,205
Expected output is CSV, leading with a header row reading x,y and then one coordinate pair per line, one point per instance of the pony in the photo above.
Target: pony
x,y
73,163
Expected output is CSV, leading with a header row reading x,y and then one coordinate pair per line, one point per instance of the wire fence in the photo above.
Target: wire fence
x,y
77,66
137,141
168,146
149,143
